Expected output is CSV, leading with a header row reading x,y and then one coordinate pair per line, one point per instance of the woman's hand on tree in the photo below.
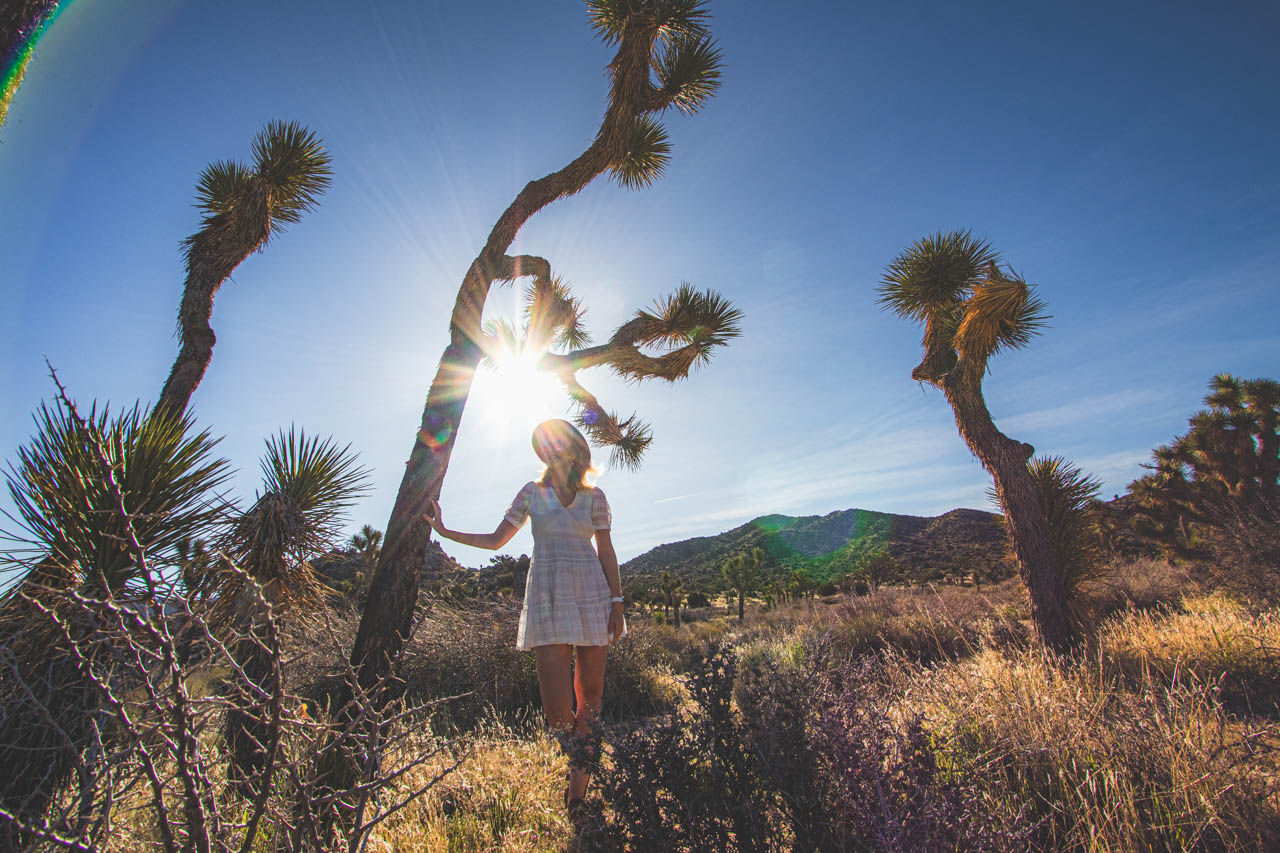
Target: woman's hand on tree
x,y
435,520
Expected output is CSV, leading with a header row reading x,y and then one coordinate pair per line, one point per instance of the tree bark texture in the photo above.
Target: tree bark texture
x,y
1006,461
213,253
393,590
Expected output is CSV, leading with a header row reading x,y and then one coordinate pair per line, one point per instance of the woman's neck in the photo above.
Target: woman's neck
x,y
560,481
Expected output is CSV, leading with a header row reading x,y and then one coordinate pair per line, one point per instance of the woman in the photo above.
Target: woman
x,y
573,595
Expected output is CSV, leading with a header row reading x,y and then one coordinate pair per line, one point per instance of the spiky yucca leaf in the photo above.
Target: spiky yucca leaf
x,y
670,19
66,513
689,323
497,338
628,439
553,316
935,274
308,485
688,71
1068,496
317,475
295,165
221,184
646,157
1001,313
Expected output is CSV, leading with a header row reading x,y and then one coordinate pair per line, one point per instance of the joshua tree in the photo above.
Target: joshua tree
x,y
876,567
801,583
972,309
669,587
741,572
664,58
1230,456
368,542
308,484
244,208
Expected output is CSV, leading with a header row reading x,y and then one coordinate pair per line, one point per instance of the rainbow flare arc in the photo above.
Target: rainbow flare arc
x,y
18,43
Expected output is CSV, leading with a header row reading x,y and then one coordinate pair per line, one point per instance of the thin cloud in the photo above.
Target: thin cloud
x,y
1087,409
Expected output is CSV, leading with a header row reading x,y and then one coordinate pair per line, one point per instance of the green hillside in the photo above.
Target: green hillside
x,y
831,546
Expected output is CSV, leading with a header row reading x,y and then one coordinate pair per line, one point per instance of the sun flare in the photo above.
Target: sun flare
x,y
513,389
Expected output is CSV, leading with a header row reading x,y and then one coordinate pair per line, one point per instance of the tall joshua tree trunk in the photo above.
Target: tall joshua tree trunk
x,y
212,255
1028,527
634,147
244,208
971,310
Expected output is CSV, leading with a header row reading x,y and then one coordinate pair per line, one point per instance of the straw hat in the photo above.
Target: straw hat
x,y
559,434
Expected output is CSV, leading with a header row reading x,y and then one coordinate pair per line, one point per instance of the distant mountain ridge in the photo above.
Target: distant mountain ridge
x,y
831,546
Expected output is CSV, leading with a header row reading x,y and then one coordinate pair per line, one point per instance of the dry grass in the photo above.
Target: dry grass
x,y
506,795
1107,766
1214,641
935,623
1133,746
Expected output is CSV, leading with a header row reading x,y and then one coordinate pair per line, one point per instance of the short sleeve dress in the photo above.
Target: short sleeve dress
x,y
566,596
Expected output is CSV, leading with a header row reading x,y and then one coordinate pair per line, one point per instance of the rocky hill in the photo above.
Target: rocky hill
x,y
832,546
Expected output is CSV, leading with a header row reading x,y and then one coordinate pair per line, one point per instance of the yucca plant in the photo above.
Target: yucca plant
x,y
167,474
973,308
71,538
244,207
308,485
1069,497
664,58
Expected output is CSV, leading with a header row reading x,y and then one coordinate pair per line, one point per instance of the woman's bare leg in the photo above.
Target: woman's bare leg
x,y
588,687
556,685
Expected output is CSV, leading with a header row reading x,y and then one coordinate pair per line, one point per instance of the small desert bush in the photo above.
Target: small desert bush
x,y
468,650
1143,584
639,675
807,758
1216,642
1100,765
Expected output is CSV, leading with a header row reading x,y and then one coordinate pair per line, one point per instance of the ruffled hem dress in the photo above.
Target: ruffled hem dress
x,y
566,596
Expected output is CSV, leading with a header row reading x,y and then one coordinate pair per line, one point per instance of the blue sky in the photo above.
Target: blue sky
x,y
1121,158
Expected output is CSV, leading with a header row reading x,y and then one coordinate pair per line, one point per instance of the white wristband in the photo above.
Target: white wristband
x,y
617,599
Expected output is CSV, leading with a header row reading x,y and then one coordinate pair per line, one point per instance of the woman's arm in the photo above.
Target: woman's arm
x,y
609,562
491,541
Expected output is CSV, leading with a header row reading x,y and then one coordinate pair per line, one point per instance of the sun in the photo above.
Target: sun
x,y
513,390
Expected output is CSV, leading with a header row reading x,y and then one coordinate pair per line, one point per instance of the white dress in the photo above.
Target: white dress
x,y
566,596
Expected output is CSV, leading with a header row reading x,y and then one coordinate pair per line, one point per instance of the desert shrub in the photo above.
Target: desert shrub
x,y
639,680
1099,767
1245,542
688,780
697,598
467,649
1215,641
1142,584
811,760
